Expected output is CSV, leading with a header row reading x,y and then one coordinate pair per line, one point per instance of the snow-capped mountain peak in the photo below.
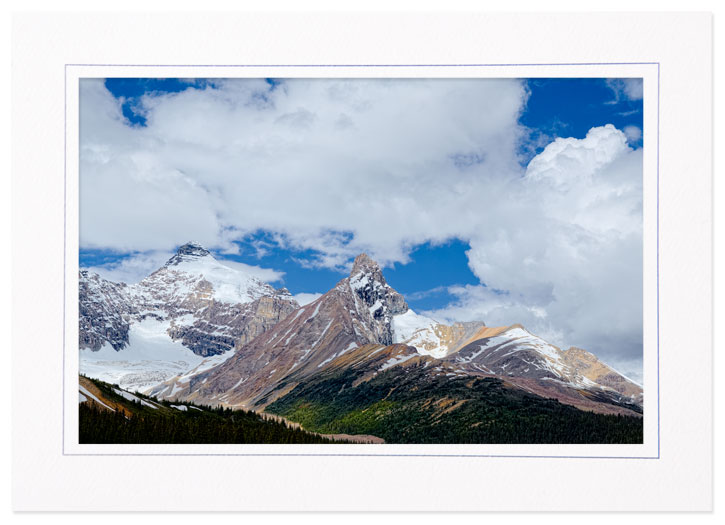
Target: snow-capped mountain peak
x,y
188,252
193,269
191,308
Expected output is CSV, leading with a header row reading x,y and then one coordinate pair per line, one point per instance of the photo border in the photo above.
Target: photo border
x,y
100,450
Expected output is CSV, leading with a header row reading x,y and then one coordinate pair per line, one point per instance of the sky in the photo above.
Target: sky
x,y
497,200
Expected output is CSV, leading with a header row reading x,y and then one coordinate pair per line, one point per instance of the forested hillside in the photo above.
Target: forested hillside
x,y
116,417
406,406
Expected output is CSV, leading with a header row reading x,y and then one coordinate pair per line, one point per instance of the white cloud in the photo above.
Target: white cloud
x,y
306,298
626,88
633,133
215,164
566,260
344,166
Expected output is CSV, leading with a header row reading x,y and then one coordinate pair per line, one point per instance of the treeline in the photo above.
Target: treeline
x,y
166,425
410,408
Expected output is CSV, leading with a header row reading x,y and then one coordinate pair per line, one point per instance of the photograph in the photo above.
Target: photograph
x,y
390,262
360,260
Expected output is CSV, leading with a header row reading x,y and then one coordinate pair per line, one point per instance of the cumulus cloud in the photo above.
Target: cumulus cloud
x,y
337,167
566,261
633,133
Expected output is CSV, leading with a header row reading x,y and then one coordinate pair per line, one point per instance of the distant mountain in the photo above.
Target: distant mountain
x,y
365,328
193,309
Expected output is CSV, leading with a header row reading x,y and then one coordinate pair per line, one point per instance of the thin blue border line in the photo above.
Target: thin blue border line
x,y
65,124
371,65
65,225
658,262
379,455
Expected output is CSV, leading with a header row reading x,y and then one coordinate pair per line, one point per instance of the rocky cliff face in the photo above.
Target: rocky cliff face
x,y
376,303
105,312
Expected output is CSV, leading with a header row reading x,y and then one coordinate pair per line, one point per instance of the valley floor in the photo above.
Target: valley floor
x,y
350,438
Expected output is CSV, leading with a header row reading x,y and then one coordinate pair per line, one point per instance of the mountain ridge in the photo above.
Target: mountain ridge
x,y
362,309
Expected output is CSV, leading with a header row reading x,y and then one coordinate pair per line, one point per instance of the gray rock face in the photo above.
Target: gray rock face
x,y
210,308
104,312
219,327
376,302
187,251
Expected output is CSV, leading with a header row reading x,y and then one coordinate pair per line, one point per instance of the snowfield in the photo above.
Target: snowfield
x,y
230,285
151,357
418,331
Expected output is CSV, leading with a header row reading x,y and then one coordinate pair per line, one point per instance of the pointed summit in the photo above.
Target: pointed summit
x,y
375,295
186,252
193,248
364,264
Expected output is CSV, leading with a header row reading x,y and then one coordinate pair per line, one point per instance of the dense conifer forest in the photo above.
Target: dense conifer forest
x,y
400,407
134,422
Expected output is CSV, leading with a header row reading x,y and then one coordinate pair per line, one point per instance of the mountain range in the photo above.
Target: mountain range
x,y
357,360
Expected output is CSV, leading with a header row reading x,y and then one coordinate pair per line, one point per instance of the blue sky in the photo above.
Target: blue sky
x,y
473,194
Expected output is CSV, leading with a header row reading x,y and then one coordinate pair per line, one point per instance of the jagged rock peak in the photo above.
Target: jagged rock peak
x,y
364,264
283,291
377,298
188,250
193,248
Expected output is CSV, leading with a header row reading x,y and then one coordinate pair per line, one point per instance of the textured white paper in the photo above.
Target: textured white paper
x,y
671,470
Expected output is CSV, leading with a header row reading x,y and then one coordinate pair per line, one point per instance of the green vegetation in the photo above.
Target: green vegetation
x,y
141,424
406,405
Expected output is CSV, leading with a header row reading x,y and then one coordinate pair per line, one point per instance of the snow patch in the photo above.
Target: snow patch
x,y
418,331
130,397
349,347
84,391
396,361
